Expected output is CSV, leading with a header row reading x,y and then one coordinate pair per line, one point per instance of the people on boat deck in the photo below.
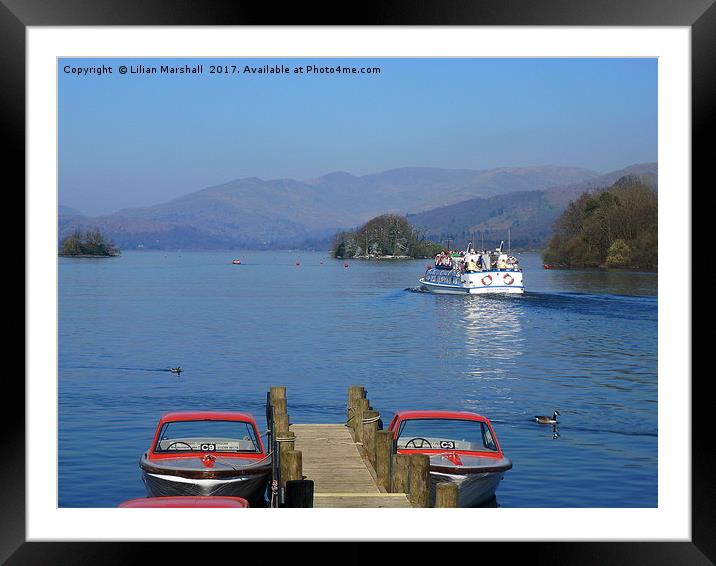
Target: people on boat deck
x,y
472,260
443,260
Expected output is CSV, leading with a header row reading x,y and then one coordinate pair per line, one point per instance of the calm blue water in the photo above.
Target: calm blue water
x,y
582,342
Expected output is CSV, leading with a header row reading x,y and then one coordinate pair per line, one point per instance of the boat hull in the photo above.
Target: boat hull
x,y
473,283
249,487
231,477
473,489
477,477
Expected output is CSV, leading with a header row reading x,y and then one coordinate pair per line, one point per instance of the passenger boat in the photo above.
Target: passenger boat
x,y
462,447
472,272
207,453
184,501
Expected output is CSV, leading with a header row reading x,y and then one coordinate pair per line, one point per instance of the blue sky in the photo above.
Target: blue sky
x,y
135,140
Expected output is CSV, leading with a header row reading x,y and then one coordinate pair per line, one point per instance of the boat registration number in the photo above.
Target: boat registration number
x,y
447,444
208,447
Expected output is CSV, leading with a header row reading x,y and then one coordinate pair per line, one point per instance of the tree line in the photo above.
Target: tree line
x,y
614,228
87,243
385,235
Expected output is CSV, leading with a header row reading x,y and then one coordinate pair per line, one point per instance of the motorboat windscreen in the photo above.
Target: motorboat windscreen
x,y
446,434
207,436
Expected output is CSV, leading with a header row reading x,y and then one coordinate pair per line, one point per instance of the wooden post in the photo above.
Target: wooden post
x,y
369,430
279,406
446,493
361,406
400,474
277,392
383,454
291,466
284,445
419,479
280,424
355,392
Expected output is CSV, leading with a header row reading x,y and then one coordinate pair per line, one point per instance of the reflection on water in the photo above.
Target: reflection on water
x,y
484,333
584,343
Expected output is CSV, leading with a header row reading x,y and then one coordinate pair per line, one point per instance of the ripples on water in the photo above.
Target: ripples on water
x,y
584,343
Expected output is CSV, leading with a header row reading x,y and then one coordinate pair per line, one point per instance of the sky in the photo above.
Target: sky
x,y
139,139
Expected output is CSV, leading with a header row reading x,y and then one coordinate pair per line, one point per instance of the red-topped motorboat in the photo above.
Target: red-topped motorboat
x,y
463,449
205,453
185,502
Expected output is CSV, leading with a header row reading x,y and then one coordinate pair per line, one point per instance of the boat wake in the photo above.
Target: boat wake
x,y
417,290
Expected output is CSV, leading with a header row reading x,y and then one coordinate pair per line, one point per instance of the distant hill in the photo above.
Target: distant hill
x,y
278,213
530,215
68,211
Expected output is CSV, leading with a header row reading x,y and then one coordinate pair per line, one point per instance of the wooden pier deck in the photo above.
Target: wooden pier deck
x,y
341,475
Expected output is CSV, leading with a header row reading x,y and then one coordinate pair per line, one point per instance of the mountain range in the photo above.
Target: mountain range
x,y
529,215
287,213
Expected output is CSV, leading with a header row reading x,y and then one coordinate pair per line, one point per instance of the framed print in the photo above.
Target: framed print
x,y
364,267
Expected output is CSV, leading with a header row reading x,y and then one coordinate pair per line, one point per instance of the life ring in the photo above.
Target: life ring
x,y
508,279
486,280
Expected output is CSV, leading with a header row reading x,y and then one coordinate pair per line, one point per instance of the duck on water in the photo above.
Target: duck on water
x,y
541,419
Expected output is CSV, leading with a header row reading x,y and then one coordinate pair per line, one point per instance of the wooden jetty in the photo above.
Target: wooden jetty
x,y
351,464
342,477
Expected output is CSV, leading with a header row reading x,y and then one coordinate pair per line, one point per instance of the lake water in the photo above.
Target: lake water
x,y
581,342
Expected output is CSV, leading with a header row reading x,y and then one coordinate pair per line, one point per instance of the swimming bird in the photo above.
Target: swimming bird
x,y
547,420
176,370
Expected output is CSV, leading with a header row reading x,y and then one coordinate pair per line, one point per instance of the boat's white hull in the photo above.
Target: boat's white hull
x,y
473,489
250,487
473,283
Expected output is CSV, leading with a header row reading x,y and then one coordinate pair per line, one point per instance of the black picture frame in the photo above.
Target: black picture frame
x,y
699,15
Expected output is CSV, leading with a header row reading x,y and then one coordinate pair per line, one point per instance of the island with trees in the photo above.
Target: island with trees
x,y
615,228
88,243
389,236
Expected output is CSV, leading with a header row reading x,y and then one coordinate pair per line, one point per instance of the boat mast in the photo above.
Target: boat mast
x,y
509,243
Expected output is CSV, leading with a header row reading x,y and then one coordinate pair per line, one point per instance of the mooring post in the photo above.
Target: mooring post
x,y
383,455
362,405
400,473
277,392
281,424
291,466
279,406
419,479
286,442
355,392
370,427
446,494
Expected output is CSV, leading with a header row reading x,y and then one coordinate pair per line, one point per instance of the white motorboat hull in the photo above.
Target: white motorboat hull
x,y
473,489
250,487
473,283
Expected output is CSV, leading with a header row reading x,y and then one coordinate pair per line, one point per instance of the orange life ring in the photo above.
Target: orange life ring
x,y
508,279
489,280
